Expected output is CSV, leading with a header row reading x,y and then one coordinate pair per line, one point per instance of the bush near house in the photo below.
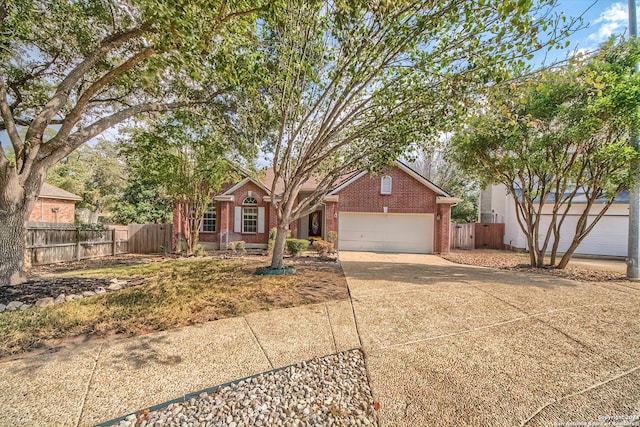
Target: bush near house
x,y
296,246
332,236
238,246
323,248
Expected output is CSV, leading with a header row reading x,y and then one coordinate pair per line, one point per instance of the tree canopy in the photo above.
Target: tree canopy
x,y
188,158
355,84
556,136
78,68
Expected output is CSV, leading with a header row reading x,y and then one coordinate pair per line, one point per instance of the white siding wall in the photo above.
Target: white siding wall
x,y
609,237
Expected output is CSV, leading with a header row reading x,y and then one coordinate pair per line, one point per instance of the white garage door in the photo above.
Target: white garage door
x,y
412,233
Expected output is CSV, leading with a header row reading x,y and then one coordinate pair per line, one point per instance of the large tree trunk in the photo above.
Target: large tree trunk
x,y
16,203
277,259
12,246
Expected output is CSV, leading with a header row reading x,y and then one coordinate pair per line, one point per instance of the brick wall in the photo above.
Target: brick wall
x,y
407,195
43,211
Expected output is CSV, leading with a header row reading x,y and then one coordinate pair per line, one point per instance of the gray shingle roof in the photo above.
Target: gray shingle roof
x,y
49,191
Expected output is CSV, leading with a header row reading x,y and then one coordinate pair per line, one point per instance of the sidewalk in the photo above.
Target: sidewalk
x,y
101,380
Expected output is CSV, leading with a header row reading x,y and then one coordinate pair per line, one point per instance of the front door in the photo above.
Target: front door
x,y
315,224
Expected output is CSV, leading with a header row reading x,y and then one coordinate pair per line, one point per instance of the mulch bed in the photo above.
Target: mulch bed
x,y
31,291
514,261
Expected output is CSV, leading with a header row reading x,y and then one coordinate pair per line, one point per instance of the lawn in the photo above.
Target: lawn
x,y
174,293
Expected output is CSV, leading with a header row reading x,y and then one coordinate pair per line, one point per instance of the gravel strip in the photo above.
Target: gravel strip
x,y
328,391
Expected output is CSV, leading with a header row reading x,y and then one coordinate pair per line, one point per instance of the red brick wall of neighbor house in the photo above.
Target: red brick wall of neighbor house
x,y
407,195
42,211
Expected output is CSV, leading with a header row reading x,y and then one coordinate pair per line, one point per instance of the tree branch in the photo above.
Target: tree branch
x,y
9,123
72,118
51,108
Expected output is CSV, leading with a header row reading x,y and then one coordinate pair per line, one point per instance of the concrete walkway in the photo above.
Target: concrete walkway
x,y
458,345
97,381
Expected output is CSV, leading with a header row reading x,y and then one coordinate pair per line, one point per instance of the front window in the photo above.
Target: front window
x,y
385,185
209,219
250,215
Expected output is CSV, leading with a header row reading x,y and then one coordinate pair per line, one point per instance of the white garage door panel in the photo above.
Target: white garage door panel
x,y
386,232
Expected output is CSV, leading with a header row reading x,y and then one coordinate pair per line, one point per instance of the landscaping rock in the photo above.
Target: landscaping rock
x,y
76,296
114,287
60,299
2,308
293,396
24,307
14,305
101,291
69,297
45,302
88,293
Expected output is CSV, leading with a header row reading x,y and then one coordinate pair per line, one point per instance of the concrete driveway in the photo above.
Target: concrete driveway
x,y
457,345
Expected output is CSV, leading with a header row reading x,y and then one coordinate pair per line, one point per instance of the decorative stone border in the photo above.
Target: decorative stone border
x,y
116,285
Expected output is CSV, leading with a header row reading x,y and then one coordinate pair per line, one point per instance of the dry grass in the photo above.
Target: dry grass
x,y
507,260
175,293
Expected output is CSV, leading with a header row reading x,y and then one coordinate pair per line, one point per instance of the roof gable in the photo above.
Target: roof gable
x,y
403,167
48,191
239,185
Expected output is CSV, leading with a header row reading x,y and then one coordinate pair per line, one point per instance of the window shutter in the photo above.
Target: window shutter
x,y
237,220
260,219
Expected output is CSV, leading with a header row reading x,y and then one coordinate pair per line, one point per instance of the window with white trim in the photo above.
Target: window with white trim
x,y
209,219
385,184
249,215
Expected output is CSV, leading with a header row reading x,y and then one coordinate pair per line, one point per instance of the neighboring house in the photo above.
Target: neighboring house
x,y
54,205
396,211
609,237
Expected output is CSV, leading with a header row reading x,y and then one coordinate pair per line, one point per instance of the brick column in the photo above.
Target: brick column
x,y
444,227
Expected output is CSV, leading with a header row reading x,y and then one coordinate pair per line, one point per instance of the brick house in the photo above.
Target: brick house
x,y
54,205
397,210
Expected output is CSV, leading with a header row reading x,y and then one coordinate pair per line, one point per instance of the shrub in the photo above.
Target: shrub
x,y
323,248
236,246
332,236
199,250
272,239
296,246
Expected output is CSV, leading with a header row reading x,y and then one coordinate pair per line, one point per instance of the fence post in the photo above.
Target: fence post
x,y
78,247
113,242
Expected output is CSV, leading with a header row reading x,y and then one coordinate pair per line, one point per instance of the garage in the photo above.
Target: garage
x,y
411,233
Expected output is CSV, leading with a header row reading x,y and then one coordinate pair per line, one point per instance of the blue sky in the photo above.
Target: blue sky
x,y
601,17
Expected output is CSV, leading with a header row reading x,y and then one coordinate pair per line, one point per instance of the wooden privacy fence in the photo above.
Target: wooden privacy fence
x,y
149,238
51,243
477,236
461,236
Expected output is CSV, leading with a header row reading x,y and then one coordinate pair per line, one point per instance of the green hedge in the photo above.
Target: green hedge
x,y
296,246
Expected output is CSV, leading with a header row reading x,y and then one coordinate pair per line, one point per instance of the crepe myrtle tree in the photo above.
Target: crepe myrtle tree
x,y
555,136
188,158
354,84
78,68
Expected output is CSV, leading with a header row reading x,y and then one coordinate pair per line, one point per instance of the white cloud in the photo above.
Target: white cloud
x,y
612,21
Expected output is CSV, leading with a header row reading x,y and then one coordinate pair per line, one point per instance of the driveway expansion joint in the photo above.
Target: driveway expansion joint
x,y
333,336
579,392
89,383
255,337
